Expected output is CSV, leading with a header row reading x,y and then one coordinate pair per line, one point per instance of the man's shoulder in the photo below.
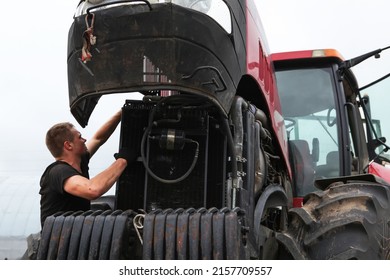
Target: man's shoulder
x,y
58,165
56,173
58,168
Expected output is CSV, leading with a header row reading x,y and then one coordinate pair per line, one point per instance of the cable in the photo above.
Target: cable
x,y
162,180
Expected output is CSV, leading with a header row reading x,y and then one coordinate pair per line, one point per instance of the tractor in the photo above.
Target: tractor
x,y
216,175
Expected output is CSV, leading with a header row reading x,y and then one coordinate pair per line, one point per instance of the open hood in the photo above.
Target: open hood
x,y
150,48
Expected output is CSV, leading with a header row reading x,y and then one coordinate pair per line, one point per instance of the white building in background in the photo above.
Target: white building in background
x,y
19,213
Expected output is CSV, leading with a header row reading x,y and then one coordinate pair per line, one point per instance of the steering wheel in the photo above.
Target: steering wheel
x,y
329,118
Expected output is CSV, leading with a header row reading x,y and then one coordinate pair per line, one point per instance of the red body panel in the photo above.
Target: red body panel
x,y
259,66
292,55
380,171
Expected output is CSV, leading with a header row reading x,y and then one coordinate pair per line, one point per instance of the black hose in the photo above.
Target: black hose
x,y
162,180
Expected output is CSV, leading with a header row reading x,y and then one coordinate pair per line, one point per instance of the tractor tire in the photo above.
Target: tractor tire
x,y
346,221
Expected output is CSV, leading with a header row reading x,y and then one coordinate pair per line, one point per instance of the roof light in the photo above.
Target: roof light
x,y
318,53
327,53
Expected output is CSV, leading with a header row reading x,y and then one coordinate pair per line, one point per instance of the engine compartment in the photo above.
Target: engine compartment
x,y
181,155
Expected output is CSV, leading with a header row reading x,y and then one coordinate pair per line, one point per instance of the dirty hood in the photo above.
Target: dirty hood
x,y
144,49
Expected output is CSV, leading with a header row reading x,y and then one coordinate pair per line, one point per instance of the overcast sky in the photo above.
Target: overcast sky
x,y
33,70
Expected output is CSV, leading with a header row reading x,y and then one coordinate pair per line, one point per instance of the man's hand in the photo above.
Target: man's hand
x,y
127,154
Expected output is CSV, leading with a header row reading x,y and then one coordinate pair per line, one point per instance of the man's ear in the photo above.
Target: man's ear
x,y
68,145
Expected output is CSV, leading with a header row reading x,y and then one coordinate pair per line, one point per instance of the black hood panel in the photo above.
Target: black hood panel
x,y
143,49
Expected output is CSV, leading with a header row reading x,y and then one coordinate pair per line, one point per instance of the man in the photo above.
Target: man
x,y
65,184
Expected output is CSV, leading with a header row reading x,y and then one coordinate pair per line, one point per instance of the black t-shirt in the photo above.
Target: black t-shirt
x,y
53,197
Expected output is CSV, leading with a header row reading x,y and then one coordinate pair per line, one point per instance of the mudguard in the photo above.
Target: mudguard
x,y
273,196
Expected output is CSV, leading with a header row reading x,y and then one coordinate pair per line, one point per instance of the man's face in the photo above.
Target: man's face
x,y
78,142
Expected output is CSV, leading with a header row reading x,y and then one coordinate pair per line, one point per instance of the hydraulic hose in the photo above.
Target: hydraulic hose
x,y
182,100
